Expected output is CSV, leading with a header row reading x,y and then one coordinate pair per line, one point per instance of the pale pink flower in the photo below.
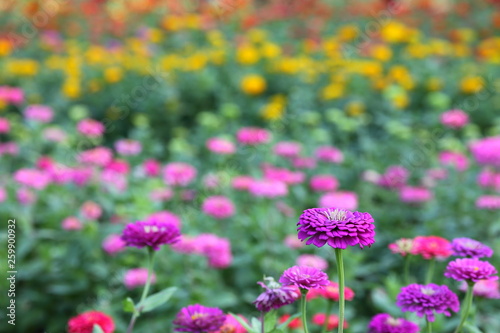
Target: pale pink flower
x,y
186,244
54,134
489,178
3,194
253,135
4,126
323,183
341,199
437,173
179,174
488,202
99,156
128,147
39,113
371,176
162,194
484,288
165,216
218,207
113,244
304,162
9,148
293,242
456,160
220,146
411,194
312,260
285,209
454,118
242,183
282,174
113,180
288,149
91,210
216,249
329,154
33,178
211,181
90,128
137,277
25,196
268,188
71,223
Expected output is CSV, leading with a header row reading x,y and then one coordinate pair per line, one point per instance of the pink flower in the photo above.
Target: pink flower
x,y
216,249
253,136
403,246
187,245
118,166
3,194
487,151
179,174
484,288
312,261
454,118
329,154
293,242
39,113
99,156
25,196
151,167
231,325
113,244
411,194
324,183
162,194
242,183
341,199
488,178
220,146
90,210
283,175
128,147
54,134
165,216
4,125
9,148
304,162
82,176
488,202
268,188
211,181
394,177
288,149
90,128
456,160
33,178
430,247
137,277
437,174
12,95
72,223
218,207
113,180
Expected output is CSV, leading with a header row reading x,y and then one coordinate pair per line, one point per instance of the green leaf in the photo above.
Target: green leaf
x,y
128,305
472,329
270,320
243,323
256,324
155,300
283,325
97,329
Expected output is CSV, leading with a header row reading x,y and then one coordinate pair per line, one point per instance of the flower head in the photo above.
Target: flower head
x,y
179,174
487,151
293,324
470,269
427,300
394,177
312,261
341,199
151,233
253,135
415,195
333,321
128,147
467,247
331,291
488,202
431,247
39,113
220,146
199,319
137,277
384,323
304,277
337,227
329,154
90,128
287,149
113,244
403,246
484,288
84,323
219,207
454,118
323,183
275,295
231,325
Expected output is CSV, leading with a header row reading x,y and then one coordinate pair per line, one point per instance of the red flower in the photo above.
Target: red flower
x,y
294,324
333,321
84,323
431,247
331,291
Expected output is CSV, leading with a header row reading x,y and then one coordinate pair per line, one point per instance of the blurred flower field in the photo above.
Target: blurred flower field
x,y
219,137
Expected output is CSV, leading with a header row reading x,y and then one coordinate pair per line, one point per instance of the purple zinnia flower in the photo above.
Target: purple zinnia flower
x,y
467,247
304,277
275,295
426,300
150,233
470,270
337,227
384,323
198,318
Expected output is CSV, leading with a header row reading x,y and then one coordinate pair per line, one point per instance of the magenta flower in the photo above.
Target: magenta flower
x,y
470,269
329,154
341,199
337,227
275,296
151,167
4,125
456,160
218,207
323,183
427,300
199,319
253,135
454,118
394,177
113,244
220,146
304,277
487,151
33,178
90,128
150,233
415,195
287,149
179,174
384,323
216,249
488,202
484,289
467,247
39,113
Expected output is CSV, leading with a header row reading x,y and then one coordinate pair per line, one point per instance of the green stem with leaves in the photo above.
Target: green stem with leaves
x,y
340,270
468,303
430,271
406,272
428,326
145,291
303,310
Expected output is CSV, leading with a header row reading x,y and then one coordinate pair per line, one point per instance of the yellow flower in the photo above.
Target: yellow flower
x,y
172,23
355,108
253,84
192,21
394,32
273,111
113,74
247,55
381,52
417,50
96,55
23,67
155,35
461,50
434,84
71,88
216,38
348,32
217,57
5,47
196,62
332,91
380,83
400,100
270,50
257,35
472,84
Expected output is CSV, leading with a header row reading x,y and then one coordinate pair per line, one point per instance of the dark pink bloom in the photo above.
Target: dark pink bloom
x,y
488,202
454,118
220,146
84,323
304,277
329,154
253,135
118,166
218,207
489,178
394,177
415,195
33,178
487,151
467,247
283,175
333,321
430,247
384,323
470,269
179,174
456,160
330,291
151,167
199,319
231,325
340,199
323,183
150,233
90,128
39,113
4,126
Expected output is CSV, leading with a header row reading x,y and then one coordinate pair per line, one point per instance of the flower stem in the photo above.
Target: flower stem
x,y
468,303
262,318
145,291
303,310
430,271
329,306
340,270
428,327
406,272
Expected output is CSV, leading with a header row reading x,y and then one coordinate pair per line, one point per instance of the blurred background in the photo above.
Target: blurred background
x,y
345,104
